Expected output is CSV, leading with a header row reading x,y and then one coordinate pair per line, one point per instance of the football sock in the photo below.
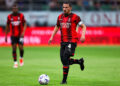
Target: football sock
x,y
65,73
73,61
14,55
21,53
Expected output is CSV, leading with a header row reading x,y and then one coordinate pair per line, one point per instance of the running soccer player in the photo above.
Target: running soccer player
x,y
67,22
17,25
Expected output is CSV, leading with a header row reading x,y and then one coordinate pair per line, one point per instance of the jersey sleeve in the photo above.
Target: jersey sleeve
x,y
58,22
8,20
78,20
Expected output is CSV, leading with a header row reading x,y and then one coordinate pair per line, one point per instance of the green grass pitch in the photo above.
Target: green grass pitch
x,y
102,67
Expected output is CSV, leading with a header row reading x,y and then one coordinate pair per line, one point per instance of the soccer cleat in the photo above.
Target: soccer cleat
x,y
21,62
63,82
15,65
81,62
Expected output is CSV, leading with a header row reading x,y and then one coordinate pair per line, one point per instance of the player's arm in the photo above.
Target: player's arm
x,y
53,34
83,26
24,28
6,31
7,28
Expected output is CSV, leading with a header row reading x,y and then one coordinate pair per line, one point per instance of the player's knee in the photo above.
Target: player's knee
x,y
21,47
67,54
65,61
14,51
14,48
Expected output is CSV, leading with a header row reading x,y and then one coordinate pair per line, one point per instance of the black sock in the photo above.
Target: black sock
x,y
14,55
73,61
21,53
65,73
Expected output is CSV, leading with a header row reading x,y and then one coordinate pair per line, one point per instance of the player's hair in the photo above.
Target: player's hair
x,y
68,2
15,5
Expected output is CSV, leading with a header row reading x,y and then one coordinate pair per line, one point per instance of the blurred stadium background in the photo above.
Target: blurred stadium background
x,y
102,18
102,62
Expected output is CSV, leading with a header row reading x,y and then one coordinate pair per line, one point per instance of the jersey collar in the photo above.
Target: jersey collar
x,y
66,15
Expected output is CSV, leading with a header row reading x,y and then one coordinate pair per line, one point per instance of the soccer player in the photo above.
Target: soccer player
x,y
67,22
17,25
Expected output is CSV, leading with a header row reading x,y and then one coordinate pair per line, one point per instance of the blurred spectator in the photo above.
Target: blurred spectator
x,y
86,4
97,5
91,3
53,5
2,4
114,5
9,3
21,4
79,5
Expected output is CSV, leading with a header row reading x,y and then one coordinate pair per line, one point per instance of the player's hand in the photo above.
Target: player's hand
x,y
82,39
50,40
6,39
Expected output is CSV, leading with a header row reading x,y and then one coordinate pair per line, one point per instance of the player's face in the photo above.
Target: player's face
x,y
15,9
66,8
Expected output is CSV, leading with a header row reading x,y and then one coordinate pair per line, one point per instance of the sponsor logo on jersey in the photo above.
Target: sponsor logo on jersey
x,y
15,23
65,25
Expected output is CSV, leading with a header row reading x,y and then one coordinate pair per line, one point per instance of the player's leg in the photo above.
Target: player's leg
x,y
14,47
65,61
21,50
75,61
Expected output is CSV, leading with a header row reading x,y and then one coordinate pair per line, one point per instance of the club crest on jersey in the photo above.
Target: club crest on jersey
x,y
15,23
60,19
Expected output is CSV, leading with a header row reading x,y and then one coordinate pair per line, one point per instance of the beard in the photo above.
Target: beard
x,y
15,13
66,13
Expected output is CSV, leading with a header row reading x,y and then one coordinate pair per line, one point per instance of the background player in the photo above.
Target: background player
x,y
67,22
17,25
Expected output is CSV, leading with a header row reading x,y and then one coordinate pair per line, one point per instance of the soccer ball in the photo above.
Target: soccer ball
x,y
43,79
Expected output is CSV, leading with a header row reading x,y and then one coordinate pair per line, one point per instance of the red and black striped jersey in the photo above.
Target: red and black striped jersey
x,y
16,23
68,25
